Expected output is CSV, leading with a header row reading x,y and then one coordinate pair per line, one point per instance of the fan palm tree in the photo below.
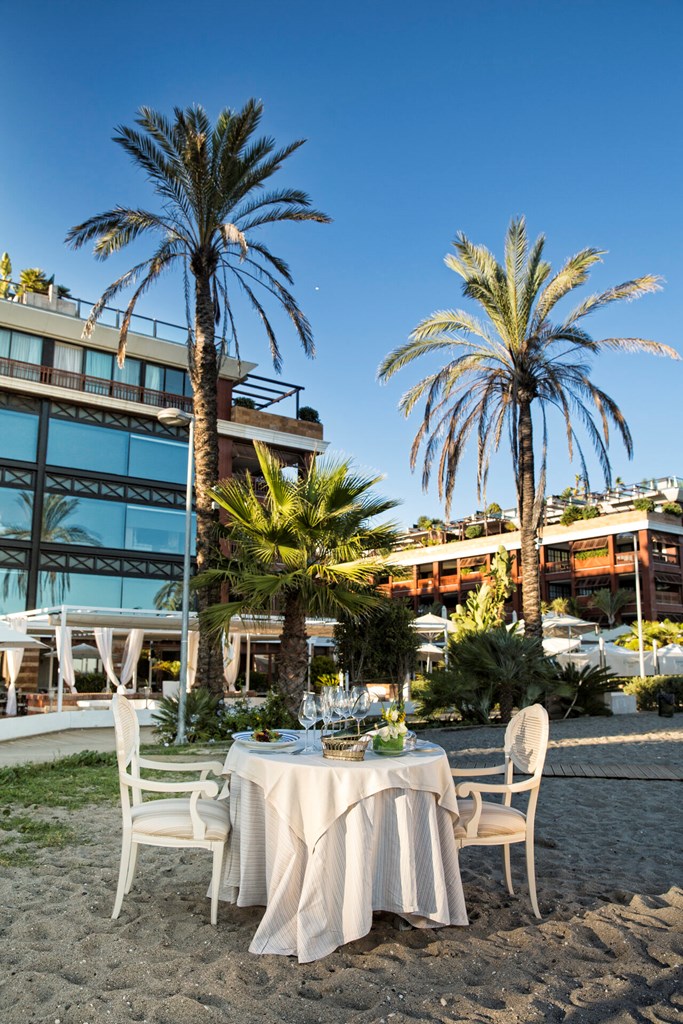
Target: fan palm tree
x,y
212,184
306,545
55,529
517,359
610,604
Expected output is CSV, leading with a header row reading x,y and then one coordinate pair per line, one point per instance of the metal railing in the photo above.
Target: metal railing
x,y
40,374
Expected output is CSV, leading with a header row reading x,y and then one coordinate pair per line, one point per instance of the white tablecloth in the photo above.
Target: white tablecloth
x,y
322,844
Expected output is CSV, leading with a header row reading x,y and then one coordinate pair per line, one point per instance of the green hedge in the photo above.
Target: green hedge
x,y
645,689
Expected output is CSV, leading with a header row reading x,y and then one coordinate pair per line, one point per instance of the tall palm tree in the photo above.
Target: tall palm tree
x,y
211,181
516,359
304,545
55,529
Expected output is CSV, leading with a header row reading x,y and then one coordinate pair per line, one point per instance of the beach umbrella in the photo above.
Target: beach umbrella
x,y
80,651
14,638
432,653
567,625
432,625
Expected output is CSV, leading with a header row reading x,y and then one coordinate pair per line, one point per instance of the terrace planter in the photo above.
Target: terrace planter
x,y
272,421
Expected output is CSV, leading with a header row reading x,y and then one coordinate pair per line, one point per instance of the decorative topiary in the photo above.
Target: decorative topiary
x,y
245,403
474,531
309,414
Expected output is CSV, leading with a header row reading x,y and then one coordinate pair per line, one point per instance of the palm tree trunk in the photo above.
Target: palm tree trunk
x,y
204,376
292,665
531,589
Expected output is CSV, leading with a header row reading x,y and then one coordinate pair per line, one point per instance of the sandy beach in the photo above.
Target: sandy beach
x,y
609,947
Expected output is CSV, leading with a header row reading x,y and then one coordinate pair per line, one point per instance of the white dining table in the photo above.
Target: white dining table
x,y
323,843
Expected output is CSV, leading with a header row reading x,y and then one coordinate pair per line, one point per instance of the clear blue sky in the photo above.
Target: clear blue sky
x,y
422,119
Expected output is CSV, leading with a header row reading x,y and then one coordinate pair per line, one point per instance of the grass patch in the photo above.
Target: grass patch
x,y
21,831
70,782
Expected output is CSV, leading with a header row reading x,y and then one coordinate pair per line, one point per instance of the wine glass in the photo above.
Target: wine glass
x,y
326,712
360,705
307,716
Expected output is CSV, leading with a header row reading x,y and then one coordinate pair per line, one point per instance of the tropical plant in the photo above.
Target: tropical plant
x,y
517,360
581,690
32,279
55,529
382,646
245,403
322,665
644,504
485,607
664,632
5,275
610,604
208,719
646,690
308,414
498,666
474,531
212,185
307,543
672,508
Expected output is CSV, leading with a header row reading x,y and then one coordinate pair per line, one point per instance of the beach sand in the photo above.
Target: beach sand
x,y
609,947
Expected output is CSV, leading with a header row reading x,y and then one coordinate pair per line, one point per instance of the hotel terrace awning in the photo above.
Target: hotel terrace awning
x,y
670,578
598,582
589,545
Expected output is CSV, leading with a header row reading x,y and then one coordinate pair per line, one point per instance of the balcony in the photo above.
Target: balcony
x,y
39,374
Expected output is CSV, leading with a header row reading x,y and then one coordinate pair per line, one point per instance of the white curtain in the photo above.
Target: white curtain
x,y
231,659
65,656
15,656
131,656
192,652
103,639
67,357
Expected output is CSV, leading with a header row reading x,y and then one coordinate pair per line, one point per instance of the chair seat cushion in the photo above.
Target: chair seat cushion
x,y
172,818
495,820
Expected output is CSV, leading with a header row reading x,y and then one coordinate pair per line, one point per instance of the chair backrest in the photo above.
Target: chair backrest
x,y
127,733
526,739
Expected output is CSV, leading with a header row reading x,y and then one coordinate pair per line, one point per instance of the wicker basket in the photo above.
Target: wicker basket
x,y
345,748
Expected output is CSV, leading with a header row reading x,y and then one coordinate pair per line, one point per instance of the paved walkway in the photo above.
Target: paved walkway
x,y
60,744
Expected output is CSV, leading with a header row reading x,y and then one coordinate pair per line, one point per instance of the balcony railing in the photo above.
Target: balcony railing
x,y
665,557
39,374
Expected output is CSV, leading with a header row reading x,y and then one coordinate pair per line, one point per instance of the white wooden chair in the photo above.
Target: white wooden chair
x,y
196,821
489,823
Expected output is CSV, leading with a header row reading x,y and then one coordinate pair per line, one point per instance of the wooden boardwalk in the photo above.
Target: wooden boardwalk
x,y
650,772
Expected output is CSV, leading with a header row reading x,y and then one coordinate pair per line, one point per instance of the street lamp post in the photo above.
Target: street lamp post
x,y
178,418
639,610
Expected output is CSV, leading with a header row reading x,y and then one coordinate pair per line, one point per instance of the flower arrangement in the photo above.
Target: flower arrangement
x,y
391,735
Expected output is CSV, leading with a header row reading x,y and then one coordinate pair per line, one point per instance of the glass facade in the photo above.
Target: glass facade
x,y
25,348
108,524
13,584
96,591
101,449
156,529
16,510
18,435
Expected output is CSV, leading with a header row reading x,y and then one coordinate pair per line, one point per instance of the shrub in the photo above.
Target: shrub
x,y
91,682
245,403
580,690
474,531
510,527
494,509
644,504
646,688
209,718
583,556
322,665
573,513
672,508
309,414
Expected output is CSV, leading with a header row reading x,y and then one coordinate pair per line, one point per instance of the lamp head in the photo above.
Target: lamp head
x,y
174,417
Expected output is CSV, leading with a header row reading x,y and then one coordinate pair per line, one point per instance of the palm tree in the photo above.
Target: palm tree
x,y
298,544
610,604
500,368
55,529
169,596
211,181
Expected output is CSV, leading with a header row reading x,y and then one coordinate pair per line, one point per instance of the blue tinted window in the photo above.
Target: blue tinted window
x,y
154,458
79,588
140,593
16,509
154,377
83,521
175,381
129,373
12,590
83,446
156,529
18,435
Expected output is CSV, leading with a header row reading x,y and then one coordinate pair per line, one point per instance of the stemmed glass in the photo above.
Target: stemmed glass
x,y
325,708
308,716
360,701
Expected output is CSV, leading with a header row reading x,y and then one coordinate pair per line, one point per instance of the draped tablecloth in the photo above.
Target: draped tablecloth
x,y
323,843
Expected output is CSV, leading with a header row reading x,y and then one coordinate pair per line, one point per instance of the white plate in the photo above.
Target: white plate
x,y
287,741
